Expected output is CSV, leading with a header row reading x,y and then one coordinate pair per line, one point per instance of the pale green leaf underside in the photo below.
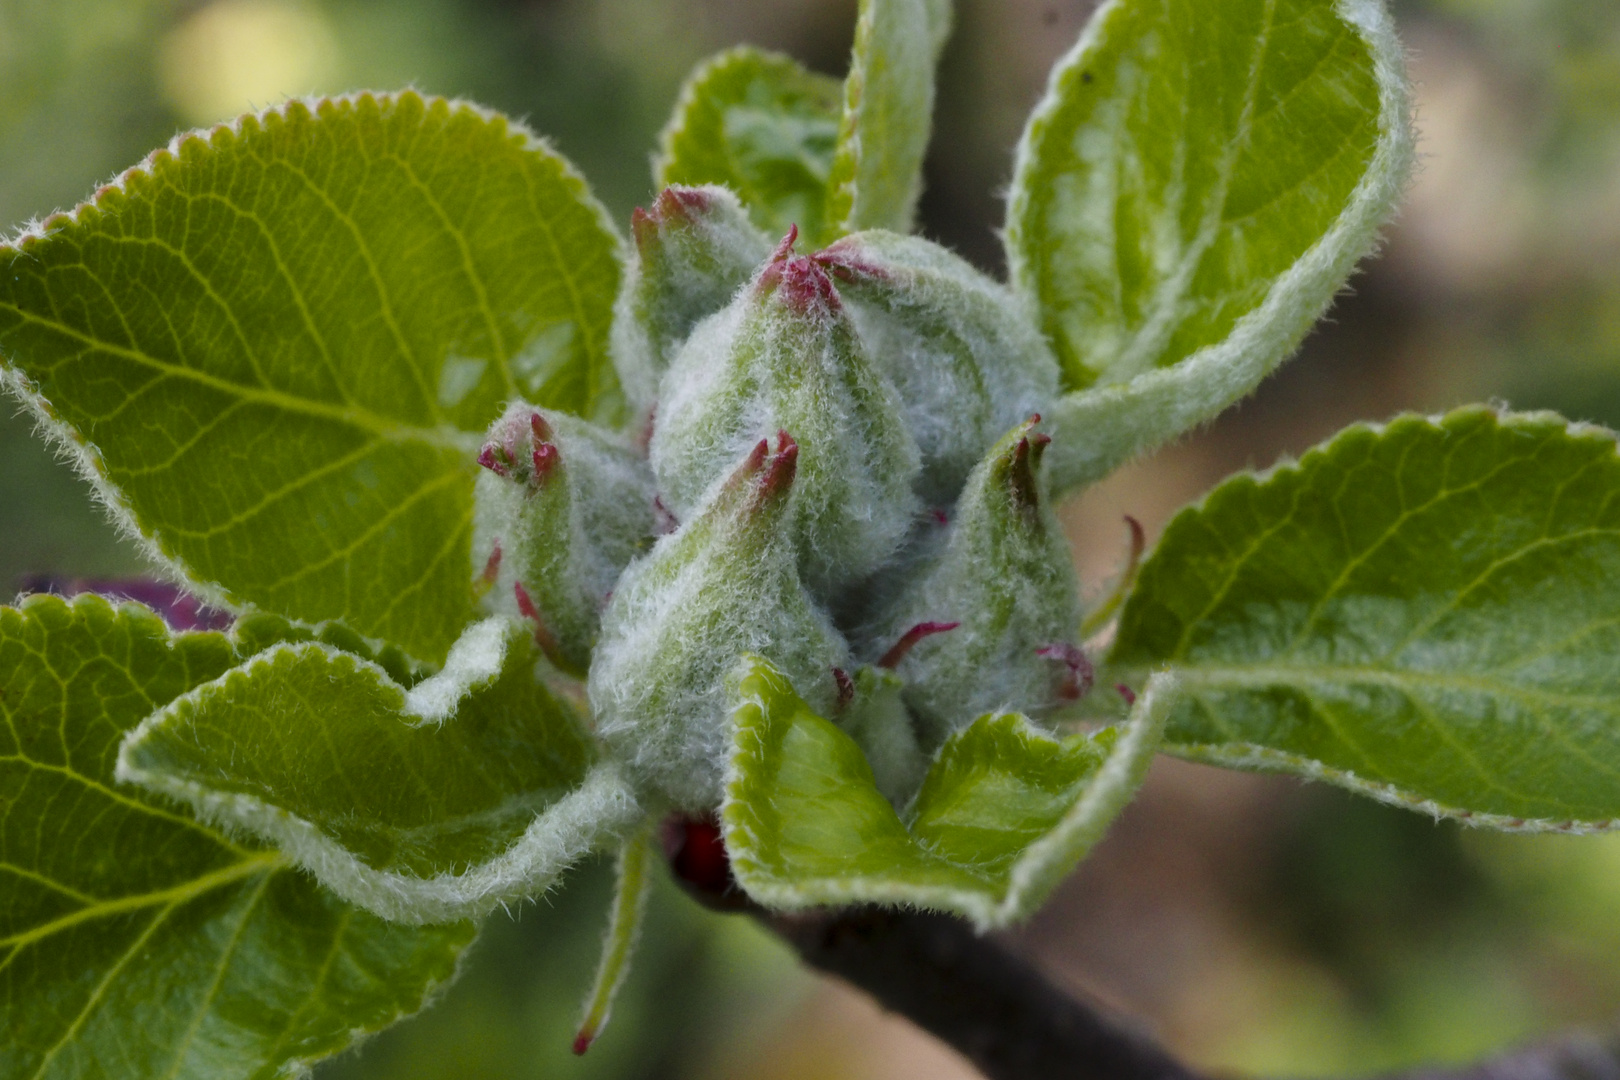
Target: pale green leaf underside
x,y
135,941
888,114
276,345
1199,181
1427,612
1003,814
763,126
422,806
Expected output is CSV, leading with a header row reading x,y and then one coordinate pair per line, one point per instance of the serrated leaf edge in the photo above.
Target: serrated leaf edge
x,y
1104,427
597,813
84,457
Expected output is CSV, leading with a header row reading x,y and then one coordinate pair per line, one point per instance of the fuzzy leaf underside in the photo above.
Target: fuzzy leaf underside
x,y
1423,612
888,114
1197,184
426,805
762,125
136,941
1003,814
275,345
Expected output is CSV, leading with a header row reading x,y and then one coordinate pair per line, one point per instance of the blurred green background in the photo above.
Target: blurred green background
x,y
1257,925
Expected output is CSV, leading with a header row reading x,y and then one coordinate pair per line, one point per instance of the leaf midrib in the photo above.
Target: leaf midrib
x,y
445,438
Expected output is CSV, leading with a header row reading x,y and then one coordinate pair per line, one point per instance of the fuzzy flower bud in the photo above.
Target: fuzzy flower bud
x,y
966,362
990,620
785,355
693,250
561,508
725,584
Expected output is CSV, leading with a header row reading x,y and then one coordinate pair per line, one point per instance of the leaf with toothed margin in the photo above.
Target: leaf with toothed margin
x,y
1004,813
472,788
888,113
1424,613
1197,184
763,126
276,345
135,940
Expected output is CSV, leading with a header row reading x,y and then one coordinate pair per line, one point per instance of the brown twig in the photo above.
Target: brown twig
x,y
996,1008
993,1007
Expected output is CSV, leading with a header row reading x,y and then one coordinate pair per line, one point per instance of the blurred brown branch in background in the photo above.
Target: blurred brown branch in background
x,y
1012,1023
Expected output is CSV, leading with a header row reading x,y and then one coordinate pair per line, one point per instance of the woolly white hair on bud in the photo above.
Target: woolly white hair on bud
x,y
961,350
548,548
725,584
988,623
693,250
784,355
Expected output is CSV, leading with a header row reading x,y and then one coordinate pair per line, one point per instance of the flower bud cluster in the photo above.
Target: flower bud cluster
x,y
561,509
830,461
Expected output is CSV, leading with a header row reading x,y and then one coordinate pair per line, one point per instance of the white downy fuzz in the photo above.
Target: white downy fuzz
x,y
963,354
990,621
561,508
785,356
725,584
693,250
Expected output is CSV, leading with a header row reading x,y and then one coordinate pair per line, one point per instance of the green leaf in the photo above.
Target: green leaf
x,y
135,941
275,346
1004,813
1424,613
1196,186
761,125
888,112
421,805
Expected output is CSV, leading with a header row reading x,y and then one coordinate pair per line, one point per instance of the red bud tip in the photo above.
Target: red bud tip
x,y
1126,692
785,248
664,521
492,567
1034,418
491,460
541,429
525,604
842,260
909,639
1022,476
1041,440
846,687
1078,676
756,456
643,228
940,516
784,466
546,458
805,287
582,1041
687,198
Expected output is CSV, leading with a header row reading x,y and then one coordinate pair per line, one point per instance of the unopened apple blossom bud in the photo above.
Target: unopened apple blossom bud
x,y
726,583
873,713
693,250
965,359
785,355
560,508
989,622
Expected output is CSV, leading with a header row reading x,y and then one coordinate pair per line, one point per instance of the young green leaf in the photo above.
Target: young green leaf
x,y
1424,613
137,941
1199,181
760,124
423,805
888,112
274,346
1004,813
